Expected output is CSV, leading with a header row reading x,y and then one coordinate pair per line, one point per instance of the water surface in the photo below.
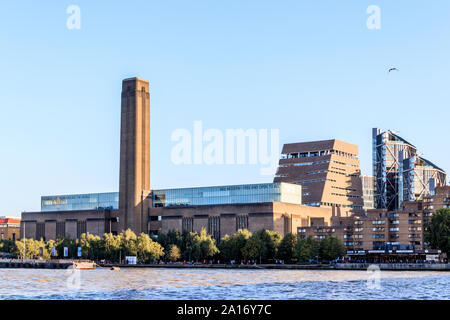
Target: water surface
x,y
191,284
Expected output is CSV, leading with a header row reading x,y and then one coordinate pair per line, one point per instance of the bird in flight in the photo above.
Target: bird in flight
x,y
393,69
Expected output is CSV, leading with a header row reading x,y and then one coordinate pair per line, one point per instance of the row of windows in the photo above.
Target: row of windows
x,y
80,202
345,195
270,192
294,155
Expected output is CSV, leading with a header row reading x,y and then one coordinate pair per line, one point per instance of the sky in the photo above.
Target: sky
x,y
312,69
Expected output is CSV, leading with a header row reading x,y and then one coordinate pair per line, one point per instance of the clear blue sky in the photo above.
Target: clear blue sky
x,y
309,68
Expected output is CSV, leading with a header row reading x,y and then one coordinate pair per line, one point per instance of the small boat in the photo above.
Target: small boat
x,y
84,265
115,268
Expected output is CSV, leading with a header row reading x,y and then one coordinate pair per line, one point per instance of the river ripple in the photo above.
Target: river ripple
x,y
191,284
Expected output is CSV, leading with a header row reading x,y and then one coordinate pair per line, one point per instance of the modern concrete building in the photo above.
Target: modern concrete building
x,y
327,170
401,174
220,210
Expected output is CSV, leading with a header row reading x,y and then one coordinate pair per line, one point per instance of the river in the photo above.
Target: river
x,y
192,284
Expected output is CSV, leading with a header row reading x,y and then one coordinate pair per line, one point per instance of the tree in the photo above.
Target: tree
x,y
7,246
90,246
128,243
286,248
31,249
147,250
169,238
437,231
49,246
331,248
68,243
204,246
188,244
174,237
252,249
174,253
111,247
306,249
231,246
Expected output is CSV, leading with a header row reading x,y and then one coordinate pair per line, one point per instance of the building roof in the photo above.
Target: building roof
x,y
429,163
9,220
320,145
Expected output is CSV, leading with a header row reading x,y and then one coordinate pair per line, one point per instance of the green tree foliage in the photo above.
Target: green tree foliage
x,y
188,245
128,243
68,243
437,231
111,247
7,246
262,245
286,249
32,248
91,246
49,245
174,253
169,238
306,249
331,248
231,246
203,246
147,250
252,249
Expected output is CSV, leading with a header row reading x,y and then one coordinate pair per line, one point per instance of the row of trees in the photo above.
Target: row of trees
x,y
266,246
109,247
263,246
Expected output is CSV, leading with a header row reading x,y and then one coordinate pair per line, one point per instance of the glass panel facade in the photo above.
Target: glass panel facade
x,y
73,202
250,193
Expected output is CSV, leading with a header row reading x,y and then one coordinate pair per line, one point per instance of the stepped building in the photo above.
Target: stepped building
x,y
328,172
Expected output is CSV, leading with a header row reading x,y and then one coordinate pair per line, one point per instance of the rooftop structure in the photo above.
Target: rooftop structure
x,y
88,201
9,228
233,194
181,197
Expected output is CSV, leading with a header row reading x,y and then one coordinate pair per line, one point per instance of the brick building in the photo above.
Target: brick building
x,y
9,228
